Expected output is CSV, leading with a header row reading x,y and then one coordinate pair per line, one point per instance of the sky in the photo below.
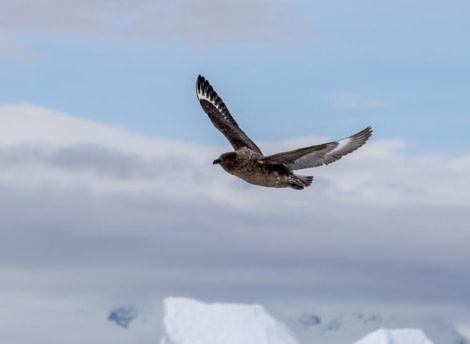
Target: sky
x,y
107,190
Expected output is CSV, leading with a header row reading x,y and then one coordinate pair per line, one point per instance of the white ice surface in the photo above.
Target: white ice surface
x,y
401,336
189,321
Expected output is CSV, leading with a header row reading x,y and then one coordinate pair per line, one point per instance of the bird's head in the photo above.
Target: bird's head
x,y
226,159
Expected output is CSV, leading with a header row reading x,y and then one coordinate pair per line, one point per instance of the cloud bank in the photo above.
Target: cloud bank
x,y
198,22
82,195
97,213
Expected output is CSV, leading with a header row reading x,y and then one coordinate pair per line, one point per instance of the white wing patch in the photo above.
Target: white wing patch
x,y
205,96
341,144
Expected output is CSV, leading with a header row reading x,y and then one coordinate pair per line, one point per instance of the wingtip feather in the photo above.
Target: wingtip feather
x,y
203,88
363,135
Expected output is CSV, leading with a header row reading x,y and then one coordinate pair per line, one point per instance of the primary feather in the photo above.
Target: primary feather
x,y
319,155
219,115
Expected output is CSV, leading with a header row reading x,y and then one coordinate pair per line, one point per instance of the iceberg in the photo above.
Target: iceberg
x,y
188,321
401,336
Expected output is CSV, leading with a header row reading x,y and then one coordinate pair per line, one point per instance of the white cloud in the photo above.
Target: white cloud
x,y
355,100
464,329
379,173
97,211
199,22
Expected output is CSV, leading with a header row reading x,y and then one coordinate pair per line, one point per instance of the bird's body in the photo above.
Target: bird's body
x,y
248,162
248,165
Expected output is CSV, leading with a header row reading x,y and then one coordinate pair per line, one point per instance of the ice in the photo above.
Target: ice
x,y
401,336
189,321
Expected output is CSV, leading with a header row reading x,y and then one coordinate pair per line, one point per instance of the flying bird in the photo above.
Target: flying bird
x,y
248,162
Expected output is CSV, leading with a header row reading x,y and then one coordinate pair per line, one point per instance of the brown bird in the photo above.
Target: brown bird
x,y
248,163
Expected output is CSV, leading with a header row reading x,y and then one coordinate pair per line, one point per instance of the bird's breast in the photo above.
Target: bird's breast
x,y
255,172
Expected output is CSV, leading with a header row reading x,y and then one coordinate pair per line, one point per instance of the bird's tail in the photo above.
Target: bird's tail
x,y
301,182
306,180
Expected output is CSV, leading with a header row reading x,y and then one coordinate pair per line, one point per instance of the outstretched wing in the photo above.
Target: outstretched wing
x,y
219,115
318,155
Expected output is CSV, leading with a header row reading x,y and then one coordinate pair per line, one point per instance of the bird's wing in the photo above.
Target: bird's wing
x,y
319,155
219,115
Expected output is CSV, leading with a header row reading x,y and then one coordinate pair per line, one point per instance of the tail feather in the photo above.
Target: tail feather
x,y
307,180
303,181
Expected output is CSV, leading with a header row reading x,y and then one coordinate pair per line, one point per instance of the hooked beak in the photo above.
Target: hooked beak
x,y
216,162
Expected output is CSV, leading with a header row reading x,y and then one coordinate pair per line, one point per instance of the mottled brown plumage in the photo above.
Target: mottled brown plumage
x,y
248,163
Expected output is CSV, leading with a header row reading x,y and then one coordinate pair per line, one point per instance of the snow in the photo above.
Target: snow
x,y
189,321
402,336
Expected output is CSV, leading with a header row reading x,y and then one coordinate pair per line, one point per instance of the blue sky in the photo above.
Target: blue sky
x,y
401,67
108,195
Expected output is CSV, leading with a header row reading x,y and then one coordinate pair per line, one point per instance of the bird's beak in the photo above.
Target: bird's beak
x,y
216,162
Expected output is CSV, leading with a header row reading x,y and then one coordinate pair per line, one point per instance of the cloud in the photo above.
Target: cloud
x,y
89,210
464,329
354,100
72,148
198,22
11,48
59,319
